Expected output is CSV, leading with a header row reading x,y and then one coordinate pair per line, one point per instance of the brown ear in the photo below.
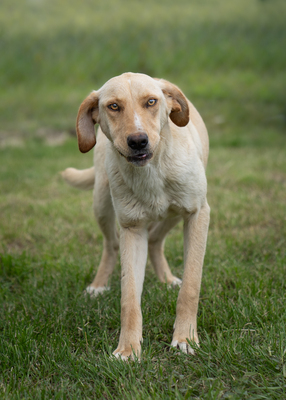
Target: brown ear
x,y
86,119
177,101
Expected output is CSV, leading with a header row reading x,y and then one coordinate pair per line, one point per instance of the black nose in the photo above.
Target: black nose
x,y
137,141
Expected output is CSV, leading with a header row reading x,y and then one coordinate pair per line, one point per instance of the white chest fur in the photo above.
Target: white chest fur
x,y
164,187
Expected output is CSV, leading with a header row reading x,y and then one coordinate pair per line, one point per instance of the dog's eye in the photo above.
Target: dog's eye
x,y
151,102
113,107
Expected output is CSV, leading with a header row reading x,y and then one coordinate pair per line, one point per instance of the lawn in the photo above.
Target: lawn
x,y
230,59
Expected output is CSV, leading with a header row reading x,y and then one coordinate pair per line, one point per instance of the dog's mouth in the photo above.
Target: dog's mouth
x,y
138,159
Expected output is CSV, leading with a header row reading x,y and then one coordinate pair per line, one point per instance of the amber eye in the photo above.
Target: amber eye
x,y
113,107
151,102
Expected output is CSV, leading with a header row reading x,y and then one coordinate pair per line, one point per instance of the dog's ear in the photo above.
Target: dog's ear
x,y
179,109
87,117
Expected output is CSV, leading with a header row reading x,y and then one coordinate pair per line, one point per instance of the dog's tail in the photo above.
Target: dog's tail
x,y
81,179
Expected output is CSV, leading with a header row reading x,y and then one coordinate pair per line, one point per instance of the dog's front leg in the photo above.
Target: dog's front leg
x,y
133,246
195,237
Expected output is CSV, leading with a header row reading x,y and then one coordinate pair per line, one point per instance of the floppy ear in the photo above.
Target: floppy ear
x,y
177,102
86,119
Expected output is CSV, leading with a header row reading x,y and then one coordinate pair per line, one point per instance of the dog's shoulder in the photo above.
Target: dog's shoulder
x,y
200,134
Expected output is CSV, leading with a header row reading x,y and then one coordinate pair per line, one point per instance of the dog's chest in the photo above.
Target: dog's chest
x,y
149,194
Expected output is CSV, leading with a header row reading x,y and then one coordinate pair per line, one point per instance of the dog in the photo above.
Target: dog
x,y
149,173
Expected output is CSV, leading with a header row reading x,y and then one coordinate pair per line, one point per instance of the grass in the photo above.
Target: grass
x,y
229,58
55,343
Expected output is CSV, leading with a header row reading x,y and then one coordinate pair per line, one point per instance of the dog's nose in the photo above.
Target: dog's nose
x,y
137,141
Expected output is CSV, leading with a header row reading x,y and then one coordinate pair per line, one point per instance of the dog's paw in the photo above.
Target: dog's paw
x,y
123,356
183,346
176,282
131,352
93,291
127,355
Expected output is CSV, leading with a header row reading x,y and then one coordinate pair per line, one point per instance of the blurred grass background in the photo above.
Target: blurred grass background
x,y
228,57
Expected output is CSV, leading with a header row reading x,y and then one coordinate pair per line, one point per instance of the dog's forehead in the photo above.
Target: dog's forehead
x,y
130,85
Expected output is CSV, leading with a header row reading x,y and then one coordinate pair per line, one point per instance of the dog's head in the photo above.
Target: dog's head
x,y
131,110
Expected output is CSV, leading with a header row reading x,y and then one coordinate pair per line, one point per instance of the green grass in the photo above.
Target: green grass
x,y
229,58
55,343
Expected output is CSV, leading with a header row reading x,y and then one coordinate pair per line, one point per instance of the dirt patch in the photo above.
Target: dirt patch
x,y
13,141
50,137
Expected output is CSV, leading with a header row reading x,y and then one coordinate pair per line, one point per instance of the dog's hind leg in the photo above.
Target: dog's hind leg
x,y
157,235
105,216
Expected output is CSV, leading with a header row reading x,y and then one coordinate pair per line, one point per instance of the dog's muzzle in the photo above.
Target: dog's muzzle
x,y
140,159
139,151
